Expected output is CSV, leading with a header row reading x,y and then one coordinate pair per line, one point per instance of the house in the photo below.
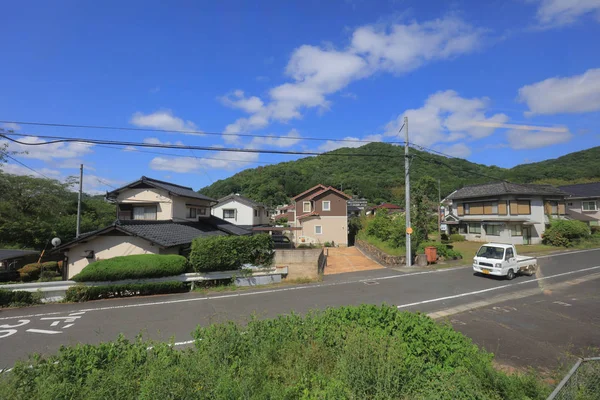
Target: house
x,y
13,259
503,212
391,208
241,211
286,212
320,215
583,202
153,217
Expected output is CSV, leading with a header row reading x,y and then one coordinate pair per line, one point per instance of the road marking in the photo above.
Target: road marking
x,y
562,303
456,296
43,331
68,326
55,323
21,322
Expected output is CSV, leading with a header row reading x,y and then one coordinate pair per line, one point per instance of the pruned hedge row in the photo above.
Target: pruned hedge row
x,y
223,253
17,298
138,266
32,272
85,293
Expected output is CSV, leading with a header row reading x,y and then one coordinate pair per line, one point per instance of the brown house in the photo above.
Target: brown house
x,y
321,213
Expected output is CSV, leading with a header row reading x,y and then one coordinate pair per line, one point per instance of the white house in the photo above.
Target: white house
x,y
503,212
583,203
241,211
153,217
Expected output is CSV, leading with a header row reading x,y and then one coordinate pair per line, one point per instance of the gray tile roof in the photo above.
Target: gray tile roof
x,y
13,253
241,199
582,190
177,190
504,188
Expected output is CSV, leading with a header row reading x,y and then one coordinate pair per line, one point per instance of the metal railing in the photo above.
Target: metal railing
x,y
581,383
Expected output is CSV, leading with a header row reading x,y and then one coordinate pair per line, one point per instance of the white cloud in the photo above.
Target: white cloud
x,y
11,126
48,152
163,119
17,169
129,148
292,138
574,94
552,13
94,184
331,145
317,72
521,139
459,150
153,140
446,117
220,160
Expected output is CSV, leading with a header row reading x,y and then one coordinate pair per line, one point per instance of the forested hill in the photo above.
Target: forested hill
x,y
379,175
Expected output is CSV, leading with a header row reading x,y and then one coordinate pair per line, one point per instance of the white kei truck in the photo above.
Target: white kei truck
x,y
502,260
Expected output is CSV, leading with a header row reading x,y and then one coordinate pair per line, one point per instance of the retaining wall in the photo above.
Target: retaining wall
x,y
380,256
301,263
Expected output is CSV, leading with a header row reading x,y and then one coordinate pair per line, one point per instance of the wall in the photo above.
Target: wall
x,y
106,247
301,263
574,210
244,214
263,217
381,257
180,207
338,204
335,229
164,209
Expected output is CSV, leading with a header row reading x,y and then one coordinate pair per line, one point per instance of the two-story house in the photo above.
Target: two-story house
x,y
241,211
504,212
153,217
321,215
583,203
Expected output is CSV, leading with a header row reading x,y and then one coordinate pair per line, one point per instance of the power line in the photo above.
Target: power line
x,y
189,132
24,165
62,139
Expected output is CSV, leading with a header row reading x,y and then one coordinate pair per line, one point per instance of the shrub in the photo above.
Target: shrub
x,y
18,298
457,237
443,250
595,230
223,253
133,267
444,238
327,244
49,275
50,266
81,293
30,272
9,276
281,221
364,352
565,233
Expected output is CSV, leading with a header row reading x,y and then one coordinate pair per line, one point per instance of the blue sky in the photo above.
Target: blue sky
x,y
496,82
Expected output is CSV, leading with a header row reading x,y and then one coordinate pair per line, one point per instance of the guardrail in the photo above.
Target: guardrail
x,y
582,381
55,291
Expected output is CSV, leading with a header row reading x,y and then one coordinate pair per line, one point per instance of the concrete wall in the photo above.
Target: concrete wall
x,y
164,208
105,247
334,229
180,208
301,263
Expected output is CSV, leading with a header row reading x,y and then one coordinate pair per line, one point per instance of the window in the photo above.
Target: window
x,y
202,211
589,206
475,228
462,228
495,207
326,205
306,206
467,208
191,212
256,213
492,230
144,212
570,204
516,230
509,253
228,214
523,207
318,229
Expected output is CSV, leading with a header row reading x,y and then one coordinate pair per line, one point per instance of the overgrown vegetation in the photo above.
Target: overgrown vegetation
x,y
223,253
443,250
133,267
565,233
364,352
18,298
81,293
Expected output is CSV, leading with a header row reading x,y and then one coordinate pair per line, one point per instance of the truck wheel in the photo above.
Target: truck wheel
x,y
510,275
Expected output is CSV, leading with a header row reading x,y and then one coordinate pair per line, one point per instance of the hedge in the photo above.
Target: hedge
x,y
457,237
565,233
84,293
10,298
224,253
138,266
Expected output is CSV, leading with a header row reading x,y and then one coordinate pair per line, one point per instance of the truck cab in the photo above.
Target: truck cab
x,y
500,259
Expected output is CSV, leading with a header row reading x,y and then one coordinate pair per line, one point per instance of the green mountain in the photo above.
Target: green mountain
x,y
376,171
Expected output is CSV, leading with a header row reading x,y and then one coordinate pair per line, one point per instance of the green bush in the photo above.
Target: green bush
x,y
81,293
565,233
364,352
443,250
50,266
138,266
224,253
18,298
457,237
49,276
30,272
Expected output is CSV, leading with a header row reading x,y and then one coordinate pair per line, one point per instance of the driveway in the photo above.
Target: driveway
x,y
348,259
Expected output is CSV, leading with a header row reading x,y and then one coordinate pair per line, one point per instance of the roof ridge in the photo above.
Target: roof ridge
x,y
165,182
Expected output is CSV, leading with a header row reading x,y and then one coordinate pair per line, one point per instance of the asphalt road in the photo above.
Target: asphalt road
x,y
45,328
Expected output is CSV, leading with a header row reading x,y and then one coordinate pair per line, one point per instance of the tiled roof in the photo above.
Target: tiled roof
x,y
504,188
241,199
311,214
319,186
13,253
288,207
327,189
177,190
582,190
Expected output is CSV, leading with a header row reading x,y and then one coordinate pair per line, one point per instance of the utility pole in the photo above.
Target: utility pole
x,y
407,194
79,200
439,211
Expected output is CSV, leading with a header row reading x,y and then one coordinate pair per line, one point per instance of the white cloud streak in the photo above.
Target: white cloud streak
x,y
11,126
331,145
17,169
48,152
555,13
520,139
574,94
220,160
163,119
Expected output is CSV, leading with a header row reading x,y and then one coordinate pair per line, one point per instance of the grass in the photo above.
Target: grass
x,y
383,246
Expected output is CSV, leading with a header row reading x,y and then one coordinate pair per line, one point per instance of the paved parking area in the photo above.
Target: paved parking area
x,y
348,259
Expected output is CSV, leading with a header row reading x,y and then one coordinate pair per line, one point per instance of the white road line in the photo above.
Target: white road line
x,y
68,326
43,331
494,288
55,323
